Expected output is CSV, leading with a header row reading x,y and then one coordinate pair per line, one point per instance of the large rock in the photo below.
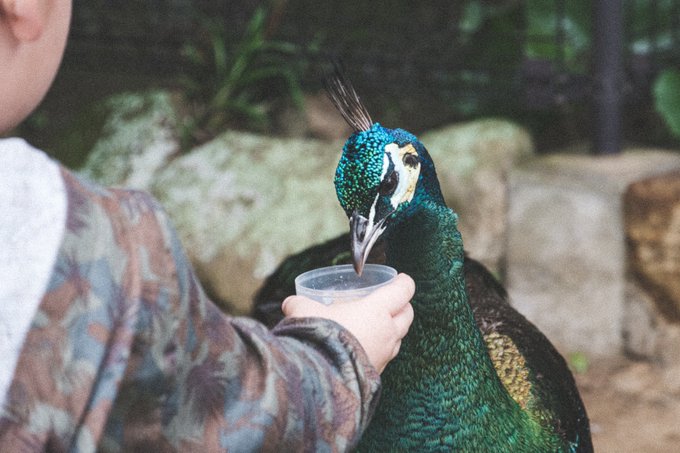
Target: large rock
x,y
243,202
138,138
567,248
652,228
652,218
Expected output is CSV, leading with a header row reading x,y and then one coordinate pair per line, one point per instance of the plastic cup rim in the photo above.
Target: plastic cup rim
x,y
339,268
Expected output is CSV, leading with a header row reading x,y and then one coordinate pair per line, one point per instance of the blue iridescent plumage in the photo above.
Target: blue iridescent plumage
x,y
359,171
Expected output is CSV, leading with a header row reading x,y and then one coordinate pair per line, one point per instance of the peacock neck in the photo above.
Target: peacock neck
x,y
443,359
428,246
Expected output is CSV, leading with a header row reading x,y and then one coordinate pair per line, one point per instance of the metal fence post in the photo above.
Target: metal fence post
x,y
608,75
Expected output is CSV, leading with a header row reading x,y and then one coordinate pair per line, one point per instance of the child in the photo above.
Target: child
x,y
107,340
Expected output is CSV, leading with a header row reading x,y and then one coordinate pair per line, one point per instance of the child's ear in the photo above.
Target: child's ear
x,y
26,18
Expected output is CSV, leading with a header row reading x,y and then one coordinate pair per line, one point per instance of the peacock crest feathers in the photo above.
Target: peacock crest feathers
x,y
345,98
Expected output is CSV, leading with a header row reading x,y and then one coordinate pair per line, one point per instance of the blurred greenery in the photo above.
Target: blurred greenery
x,y
667,98
650,25
230,83
578,362
417,65
544,28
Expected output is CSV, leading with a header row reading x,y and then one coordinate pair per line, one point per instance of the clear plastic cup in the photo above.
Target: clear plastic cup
x,y
336,283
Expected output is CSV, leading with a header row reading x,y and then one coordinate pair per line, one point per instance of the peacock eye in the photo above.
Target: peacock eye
x,y
411,160
389,184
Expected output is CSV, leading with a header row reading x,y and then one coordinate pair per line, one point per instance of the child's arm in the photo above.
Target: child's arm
x,y
126,352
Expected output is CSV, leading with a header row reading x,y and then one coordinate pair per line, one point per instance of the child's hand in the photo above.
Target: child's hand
x,y
379,321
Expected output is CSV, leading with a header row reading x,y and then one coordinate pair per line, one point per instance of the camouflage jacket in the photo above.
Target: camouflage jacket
x,y
126,353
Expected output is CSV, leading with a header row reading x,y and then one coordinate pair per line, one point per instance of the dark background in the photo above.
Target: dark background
x,y
417,65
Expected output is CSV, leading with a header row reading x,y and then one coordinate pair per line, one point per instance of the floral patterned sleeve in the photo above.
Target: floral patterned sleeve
x,y
126,353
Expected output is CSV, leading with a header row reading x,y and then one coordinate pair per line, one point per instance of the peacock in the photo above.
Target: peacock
x,y
473,374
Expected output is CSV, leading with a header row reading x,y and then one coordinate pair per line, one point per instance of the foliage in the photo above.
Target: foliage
x,y
560,33
578,362
559,36
650,25
667,98
237,84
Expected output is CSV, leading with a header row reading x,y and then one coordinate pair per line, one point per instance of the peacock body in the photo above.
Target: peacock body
x,y
472,375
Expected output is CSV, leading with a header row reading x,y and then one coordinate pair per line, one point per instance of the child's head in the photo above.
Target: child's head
x,y
32,39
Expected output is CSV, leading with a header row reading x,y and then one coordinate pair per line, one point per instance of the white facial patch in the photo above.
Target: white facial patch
x,y
408,175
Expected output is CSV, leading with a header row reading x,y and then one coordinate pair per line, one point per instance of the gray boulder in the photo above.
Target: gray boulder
x,y
138,138
243,202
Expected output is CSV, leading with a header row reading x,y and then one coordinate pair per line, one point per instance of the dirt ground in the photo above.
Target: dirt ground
x,y
634,407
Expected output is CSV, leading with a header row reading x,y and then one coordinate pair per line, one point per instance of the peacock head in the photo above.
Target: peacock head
x,y
375,181
382,174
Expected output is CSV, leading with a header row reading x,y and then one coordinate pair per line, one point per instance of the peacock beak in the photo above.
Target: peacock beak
x,y
363,233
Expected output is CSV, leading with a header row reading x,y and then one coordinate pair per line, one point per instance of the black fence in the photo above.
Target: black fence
x,y
469,58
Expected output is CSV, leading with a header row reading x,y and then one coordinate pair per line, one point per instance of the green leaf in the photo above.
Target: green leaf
x,y
542,30
220,54
579,362
473,16
667,98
